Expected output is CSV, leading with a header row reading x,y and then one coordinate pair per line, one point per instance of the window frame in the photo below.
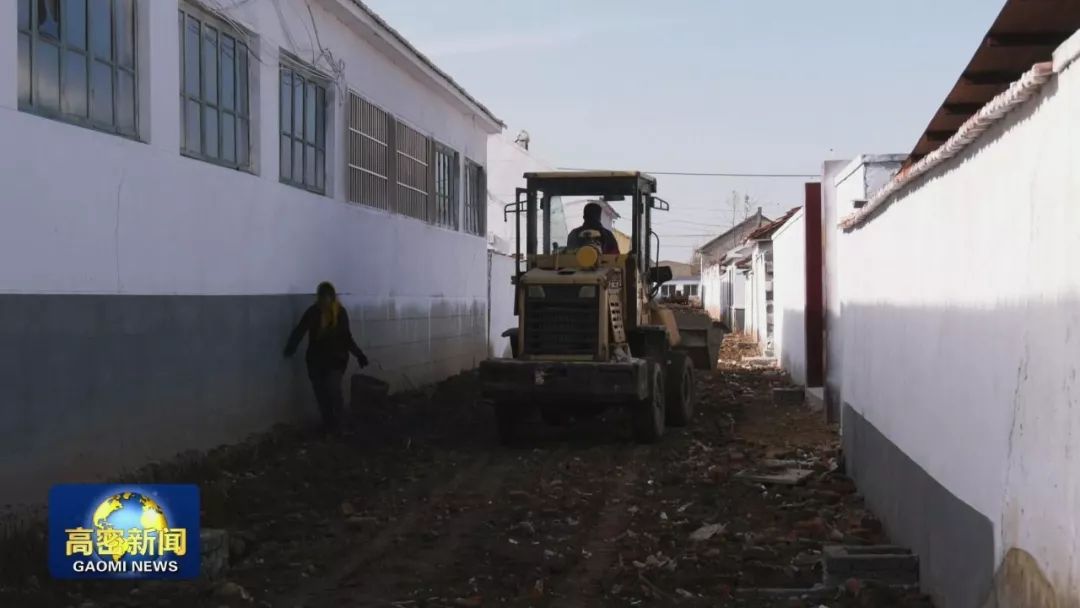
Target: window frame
x,y
309,76
240,116
63,47
413,174
450,216
365,122
475,199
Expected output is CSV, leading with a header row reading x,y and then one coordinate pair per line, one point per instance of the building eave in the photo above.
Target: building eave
x,y
401,51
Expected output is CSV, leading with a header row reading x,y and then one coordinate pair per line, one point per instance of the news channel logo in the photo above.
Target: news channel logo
x,y
114,531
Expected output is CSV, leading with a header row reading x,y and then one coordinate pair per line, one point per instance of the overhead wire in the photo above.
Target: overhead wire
x,y
710,174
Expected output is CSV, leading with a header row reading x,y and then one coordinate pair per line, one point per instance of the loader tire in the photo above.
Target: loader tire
x,y
648,413
680,389
508,417
553,416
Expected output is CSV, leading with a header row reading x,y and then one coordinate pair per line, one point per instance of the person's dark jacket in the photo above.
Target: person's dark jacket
x,y
327,348
608,244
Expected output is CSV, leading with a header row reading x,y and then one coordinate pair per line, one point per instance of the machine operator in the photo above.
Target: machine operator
x,y
592,213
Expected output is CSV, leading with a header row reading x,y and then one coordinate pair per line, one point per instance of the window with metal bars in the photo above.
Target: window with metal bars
x,y
446,186
303,129
475,199
411,196
370,153
214,116
394,167
77,62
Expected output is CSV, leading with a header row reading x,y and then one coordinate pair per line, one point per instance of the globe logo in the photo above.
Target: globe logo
x,y
129,526
124,532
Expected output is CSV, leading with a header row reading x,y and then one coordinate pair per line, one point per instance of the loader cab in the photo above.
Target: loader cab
x,y
627,191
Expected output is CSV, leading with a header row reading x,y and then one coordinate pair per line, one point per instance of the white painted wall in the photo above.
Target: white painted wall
x,y
714,295
831,275
758,284
87,212
84,212
501,304
724,289
970,365
789,296
507,163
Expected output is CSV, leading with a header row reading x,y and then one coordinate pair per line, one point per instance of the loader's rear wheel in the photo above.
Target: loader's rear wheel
x,y
553,416
680,389
508,418
648,413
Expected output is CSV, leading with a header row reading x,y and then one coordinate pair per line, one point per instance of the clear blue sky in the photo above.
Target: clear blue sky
x,y
774,86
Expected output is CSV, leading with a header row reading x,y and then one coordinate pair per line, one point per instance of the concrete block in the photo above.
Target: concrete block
x,y
815,398
788,396
214,551
886,564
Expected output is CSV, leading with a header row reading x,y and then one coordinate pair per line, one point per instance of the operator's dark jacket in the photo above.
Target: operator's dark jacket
x,y
329,348
608,244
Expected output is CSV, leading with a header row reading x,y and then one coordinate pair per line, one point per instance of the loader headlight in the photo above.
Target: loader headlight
x,y
536,291
587,291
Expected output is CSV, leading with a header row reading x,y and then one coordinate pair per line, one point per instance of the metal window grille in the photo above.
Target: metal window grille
x,y
446,186
77,62
475,199
411,196
214,117
303,130
370,151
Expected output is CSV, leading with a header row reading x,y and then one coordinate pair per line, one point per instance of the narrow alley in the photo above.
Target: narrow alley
x,y
421,508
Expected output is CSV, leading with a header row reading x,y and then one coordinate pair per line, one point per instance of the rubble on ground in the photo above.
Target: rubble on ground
x,y
420,507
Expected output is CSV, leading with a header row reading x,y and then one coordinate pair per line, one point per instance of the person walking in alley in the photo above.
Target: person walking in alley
x,y
330,342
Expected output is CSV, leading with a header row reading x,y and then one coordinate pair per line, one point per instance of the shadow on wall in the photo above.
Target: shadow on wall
x,y
989,394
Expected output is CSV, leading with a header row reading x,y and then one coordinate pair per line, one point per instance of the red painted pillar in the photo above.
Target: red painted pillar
x,y
815,299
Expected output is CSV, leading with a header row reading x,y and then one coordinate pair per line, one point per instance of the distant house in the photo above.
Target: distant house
x,y
722,284
685,282
758,302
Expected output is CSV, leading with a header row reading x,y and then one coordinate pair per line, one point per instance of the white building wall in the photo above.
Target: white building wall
x,y
714,295
843,184
507,163
789,296
831,275
961,381
192,274
500,304
758,285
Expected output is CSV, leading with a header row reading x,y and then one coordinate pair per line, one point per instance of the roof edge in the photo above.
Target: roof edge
x,y
422,61
971,131
1067,53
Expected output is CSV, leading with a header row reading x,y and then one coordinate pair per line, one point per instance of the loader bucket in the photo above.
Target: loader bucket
x,y
699,337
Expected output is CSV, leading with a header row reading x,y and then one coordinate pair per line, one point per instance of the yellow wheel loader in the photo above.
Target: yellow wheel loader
x,y
589,334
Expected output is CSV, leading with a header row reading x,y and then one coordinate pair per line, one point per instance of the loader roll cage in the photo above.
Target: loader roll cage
x,y
541,187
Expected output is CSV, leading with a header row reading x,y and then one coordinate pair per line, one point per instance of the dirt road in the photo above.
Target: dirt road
x,y
422,508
